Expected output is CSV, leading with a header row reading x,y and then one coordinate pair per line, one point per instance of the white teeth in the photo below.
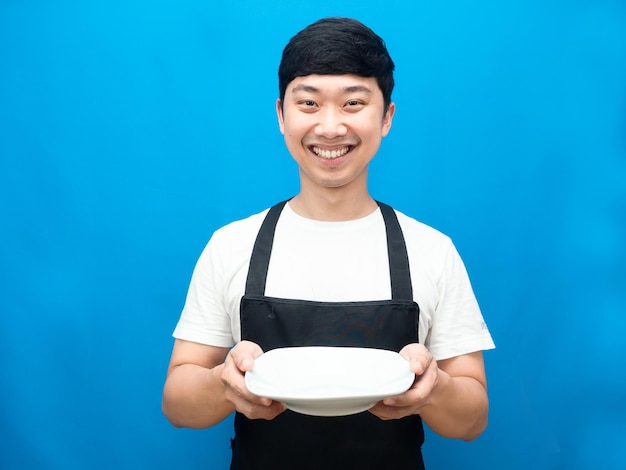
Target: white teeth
x,y
330,153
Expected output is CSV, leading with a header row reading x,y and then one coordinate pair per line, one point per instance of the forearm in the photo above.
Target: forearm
x,y
458,407
193,396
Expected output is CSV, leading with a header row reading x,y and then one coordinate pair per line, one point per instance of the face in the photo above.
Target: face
x,y
333,126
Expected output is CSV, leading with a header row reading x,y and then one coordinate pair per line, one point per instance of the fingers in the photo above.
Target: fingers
x,y
244,354
240,360
256,411
418,356
413,400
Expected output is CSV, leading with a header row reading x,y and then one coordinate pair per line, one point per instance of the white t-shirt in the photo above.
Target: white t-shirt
x,y
332,262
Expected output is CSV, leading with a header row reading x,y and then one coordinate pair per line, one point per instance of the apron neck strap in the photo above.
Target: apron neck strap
x,y
260,259
401,287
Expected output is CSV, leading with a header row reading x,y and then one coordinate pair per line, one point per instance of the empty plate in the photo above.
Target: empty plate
x,y
329,381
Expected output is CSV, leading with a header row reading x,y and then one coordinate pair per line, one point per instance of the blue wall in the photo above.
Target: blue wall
x,y
130,130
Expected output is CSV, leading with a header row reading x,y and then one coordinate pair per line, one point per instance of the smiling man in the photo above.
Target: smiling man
x,y
331,266
333,126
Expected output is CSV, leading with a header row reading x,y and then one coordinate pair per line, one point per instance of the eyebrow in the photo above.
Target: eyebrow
x,y
349,89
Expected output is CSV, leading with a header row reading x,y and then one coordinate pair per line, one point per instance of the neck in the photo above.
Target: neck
x,y
332,205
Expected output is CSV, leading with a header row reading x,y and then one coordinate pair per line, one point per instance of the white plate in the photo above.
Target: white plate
x,y
329,381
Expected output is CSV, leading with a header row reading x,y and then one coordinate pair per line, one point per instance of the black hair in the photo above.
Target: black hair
x,y
337,46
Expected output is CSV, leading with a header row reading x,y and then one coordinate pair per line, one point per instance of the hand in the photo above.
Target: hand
x,y
239,360
415,398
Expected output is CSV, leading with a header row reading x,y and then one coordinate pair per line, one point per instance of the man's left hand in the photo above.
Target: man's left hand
x,y
415,398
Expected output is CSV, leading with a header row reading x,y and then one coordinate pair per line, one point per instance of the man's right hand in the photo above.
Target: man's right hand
x,y
239,360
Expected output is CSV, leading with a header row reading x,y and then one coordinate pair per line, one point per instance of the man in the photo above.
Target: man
x,y
331,256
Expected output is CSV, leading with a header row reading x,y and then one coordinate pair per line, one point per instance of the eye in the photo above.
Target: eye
x,y
307,106
354,105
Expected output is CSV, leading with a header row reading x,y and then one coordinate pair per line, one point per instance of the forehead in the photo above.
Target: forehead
x,y
333,85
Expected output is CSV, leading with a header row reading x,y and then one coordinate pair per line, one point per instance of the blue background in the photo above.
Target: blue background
x,y
131,130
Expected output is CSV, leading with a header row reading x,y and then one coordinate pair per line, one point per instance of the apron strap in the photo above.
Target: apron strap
x,y
401,287
260,259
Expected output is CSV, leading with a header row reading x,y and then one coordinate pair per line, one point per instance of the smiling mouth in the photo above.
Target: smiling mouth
x,y
330,154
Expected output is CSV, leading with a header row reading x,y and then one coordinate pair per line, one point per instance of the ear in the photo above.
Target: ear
x,y
279,113
387,118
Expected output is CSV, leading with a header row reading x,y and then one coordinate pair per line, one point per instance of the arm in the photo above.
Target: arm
x,y
193,395
205,384
450,395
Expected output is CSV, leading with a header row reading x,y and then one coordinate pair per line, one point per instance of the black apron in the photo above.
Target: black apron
x,y
297,441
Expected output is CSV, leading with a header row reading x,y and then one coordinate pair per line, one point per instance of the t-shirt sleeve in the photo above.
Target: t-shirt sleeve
x,y
458,326
205,318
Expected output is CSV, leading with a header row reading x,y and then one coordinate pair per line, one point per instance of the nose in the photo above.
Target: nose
x,y
330,124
